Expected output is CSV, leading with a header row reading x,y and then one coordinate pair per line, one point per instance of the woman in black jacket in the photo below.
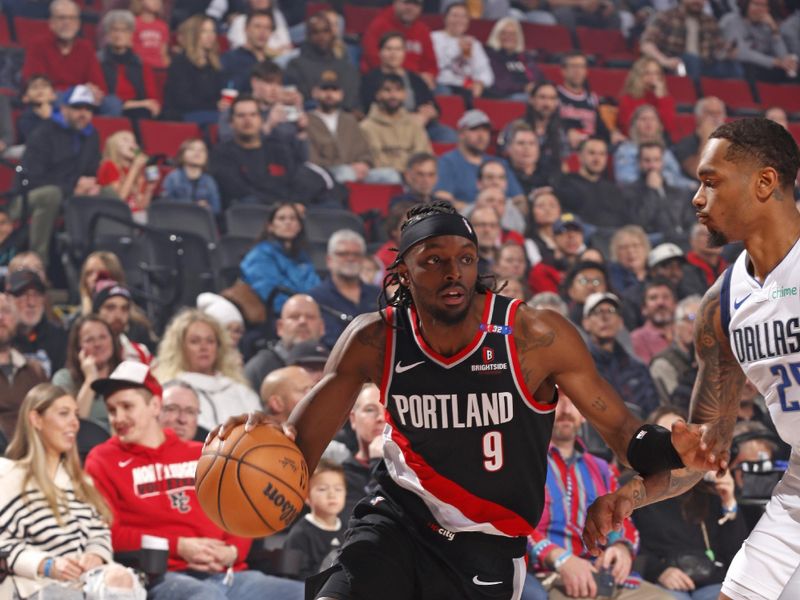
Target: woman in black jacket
x,y
194,78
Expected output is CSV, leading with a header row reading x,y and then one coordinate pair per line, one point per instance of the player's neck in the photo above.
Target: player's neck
x,y
449,339
770,243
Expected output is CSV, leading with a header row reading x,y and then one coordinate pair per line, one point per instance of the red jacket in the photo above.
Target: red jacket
x,y
64,70
151,491
420,56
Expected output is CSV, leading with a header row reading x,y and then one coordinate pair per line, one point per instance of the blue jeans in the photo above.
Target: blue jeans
x,y
707,592
246,585
533,590
441,133
696,67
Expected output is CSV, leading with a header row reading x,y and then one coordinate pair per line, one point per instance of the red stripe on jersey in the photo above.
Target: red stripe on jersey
x,y
449,360
388,357
476,509
514,358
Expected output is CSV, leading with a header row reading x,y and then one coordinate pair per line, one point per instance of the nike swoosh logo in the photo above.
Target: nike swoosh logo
x,y
124,463
738,303
477,581
400,368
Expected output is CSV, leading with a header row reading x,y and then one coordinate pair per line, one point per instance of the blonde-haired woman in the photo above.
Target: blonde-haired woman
x,y
53,523
122,173
628,251
195,349
514,67
646,84
194,77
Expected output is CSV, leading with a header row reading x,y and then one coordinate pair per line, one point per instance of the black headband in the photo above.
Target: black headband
x,y
434,226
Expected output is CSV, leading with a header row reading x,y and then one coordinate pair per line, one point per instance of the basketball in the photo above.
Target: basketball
x,y
252,484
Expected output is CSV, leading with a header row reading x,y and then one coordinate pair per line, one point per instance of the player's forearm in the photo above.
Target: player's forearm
x,y
660,486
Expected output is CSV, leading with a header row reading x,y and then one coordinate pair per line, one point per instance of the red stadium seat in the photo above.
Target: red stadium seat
x,y
501,112
165,137
794,129
683,90
107,125
785,96
608,45
684,125
372,196
7,175
480,29
551,72
735,93
551,40
440,148
434,21
29,30
357,18
5,34
607,82
160,79
89,32
450,109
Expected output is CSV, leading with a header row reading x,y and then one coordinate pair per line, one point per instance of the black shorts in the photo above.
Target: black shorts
x,y
395,550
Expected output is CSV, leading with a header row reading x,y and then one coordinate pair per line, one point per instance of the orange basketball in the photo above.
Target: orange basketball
x,y
252,484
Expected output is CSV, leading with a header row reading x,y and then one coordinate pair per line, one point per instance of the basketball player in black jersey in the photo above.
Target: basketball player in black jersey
x,y
469,383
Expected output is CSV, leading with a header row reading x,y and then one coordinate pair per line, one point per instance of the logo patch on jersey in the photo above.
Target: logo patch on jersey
x,y
492,328
488,355
446,533
401,368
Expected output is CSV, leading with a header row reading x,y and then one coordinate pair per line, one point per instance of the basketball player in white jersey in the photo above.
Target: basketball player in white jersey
x,y
748,326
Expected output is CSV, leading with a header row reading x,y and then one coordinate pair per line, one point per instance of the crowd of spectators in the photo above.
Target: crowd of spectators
x,y
581,205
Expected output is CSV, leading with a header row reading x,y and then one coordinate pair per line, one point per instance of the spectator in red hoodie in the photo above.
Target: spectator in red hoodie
x,y
403,17
146,475
66,59
707,259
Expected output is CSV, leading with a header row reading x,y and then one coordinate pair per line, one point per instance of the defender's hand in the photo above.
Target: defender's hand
x,y
696,446
605,515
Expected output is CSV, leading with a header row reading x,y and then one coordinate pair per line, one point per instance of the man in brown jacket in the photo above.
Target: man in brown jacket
x,y
17,374
393,134
335,140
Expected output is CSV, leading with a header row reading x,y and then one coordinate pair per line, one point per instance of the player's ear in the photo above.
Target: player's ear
x,y
767,183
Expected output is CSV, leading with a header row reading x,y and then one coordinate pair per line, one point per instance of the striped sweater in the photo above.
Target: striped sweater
x,y
30,533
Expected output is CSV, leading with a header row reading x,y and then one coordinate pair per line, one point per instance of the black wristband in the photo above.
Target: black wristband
x,y
651,451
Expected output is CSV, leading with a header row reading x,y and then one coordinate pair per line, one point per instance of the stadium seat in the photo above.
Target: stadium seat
x,y
684,125
480,29
230,252
501,112
551,72
246,220
794,129
165,137
608,46
29,30
107,125
450,109
5,33
178,217
607,83
358,18
371,196
735,93
196,264
434,21
551,40
89,32
440,148
160,80
785,96
7,176
322,223
83,230
683,90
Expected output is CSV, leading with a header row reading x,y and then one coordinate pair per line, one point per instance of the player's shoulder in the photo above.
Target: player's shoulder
x,y
540,326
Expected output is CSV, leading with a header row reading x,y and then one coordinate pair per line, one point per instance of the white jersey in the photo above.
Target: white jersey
x,y
763,324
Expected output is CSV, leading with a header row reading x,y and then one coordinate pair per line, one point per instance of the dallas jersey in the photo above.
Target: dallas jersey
x,y
463,432
763,325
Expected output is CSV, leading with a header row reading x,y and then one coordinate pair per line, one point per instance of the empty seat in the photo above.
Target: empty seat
x,y
183,217
480,29
735,93
29,31
246,220
230,252
107,126
607,83
785,96
371,196
501,112
552,73
165,137
450,109
358,18
551,40
684,125
5,33
83,228
683,90
322,223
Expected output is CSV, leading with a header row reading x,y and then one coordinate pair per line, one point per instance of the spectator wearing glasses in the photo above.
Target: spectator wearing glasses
x,y
585,278
180,409
674,369
629,377
343,291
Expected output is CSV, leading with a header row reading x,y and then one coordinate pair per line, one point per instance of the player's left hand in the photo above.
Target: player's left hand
x,y
697,448
605,515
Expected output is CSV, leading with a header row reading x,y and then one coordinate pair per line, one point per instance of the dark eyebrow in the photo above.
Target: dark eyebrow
x,y
706,171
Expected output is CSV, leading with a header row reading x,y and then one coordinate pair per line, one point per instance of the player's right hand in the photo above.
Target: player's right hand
x,y
251,420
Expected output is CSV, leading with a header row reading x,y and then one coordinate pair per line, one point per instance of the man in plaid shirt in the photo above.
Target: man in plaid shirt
x,y
686,35
574,479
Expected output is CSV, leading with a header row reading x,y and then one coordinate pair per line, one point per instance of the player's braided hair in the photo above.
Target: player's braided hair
x,y
401,298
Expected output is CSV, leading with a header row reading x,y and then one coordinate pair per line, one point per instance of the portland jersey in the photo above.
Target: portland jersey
x,y
463,433
763,324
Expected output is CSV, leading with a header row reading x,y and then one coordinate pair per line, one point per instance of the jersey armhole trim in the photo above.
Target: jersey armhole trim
x,y
516,368
388,359
725,301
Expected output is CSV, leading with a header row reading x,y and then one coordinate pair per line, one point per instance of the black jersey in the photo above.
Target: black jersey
x,y
463,432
